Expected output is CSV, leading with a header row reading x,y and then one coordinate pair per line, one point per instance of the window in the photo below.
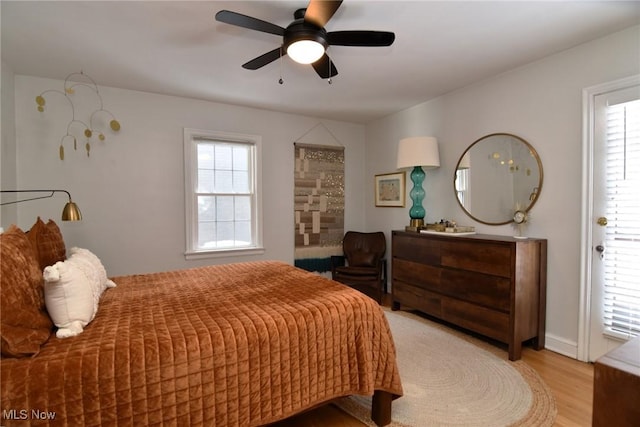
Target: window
x,y
222,194
462,186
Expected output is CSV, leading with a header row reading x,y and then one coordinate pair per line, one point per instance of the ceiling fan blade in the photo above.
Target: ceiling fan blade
x,y
245,21
320,11
361,38
264,59
324,67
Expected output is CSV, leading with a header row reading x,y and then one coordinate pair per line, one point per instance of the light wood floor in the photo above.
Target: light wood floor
x,y
570,381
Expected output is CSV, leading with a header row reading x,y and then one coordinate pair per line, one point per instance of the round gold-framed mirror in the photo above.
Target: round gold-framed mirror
x,y
498,177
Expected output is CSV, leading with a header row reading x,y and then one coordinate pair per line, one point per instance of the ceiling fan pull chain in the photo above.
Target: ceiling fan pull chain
x,y
281,80
329,65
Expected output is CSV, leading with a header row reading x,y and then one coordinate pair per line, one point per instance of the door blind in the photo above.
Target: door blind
x,y
622,239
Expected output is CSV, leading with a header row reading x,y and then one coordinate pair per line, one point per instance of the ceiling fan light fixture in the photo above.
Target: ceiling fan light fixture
x,y
305,40
305,51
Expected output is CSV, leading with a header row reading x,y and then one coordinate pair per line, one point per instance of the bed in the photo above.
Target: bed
x,y
242,344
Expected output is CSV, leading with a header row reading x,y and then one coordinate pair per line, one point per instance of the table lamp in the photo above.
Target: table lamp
x,y
417,153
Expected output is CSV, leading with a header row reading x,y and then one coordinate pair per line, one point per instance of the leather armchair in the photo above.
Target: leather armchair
x,y
363,266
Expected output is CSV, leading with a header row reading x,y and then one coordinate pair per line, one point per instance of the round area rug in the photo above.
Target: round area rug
x,y
451,379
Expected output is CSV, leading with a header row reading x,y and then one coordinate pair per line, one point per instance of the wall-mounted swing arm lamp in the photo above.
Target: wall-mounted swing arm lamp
x,y
71,211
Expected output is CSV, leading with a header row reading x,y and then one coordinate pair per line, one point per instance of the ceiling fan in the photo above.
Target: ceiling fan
x,y
305,40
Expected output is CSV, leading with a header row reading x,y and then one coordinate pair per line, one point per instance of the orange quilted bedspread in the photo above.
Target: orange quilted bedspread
x,y
232,345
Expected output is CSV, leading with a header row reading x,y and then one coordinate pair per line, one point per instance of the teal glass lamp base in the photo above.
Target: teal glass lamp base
x,y
416,213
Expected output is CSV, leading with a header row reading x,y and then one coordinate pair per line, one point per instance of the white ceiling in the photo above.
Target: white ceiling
x,y
177,48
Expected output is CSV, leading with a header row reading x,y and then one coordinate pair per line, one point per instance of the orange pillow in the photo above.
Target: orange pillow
x,y
47,242
25,324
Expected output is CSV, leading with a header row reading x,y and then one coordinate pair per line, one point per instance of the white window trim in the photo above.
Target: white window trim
x,y
190,179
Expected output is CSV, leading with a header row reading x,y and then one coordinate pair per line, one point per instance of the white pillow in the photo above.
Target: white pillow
x,y
72,291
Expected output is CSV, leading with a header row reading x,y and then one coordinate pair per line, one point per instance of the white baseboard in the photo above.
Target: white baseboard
x,y
561,345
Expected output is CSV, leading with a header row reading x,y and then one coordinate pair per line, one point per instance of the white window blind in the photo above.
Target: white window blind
x,y
622,239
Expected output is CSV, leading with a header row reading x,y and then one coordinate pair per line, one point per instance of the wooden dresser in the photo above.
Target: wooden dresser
x,y
492,285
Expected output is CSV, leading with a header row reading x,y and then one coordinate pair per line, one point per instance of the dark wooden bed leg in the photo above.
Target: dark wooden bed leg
x,y
381,408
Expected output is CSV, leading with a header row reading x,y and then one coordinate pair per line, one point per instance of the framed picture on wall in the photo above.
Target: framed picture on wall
x,y
390,190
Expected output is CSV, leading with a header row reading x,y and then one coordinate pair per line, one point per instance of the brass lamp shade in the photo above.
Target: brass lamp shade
x,y
71,212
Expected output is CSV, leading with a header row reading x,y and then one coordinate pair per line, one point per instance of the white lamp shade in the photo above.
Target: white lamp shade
x,y
305,51
418,151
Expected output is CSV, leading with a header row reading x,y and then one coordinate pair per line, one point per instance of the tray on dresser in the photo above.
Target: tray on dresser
x,y
448,233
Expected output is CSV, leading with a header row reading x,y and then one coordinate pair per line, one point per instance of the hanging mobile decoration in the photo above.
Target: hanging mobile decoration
x,y
89,129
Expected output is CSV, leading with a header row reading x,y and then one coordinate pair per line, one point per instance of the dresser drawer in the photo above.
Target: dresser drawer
x,y
490,291
485,321
421,275
482,289
489,258
415,248
418,298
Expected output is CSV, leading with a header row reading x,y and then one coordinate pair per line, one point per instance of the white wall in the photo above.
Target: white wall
x,y
542,103
8,213
131,189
